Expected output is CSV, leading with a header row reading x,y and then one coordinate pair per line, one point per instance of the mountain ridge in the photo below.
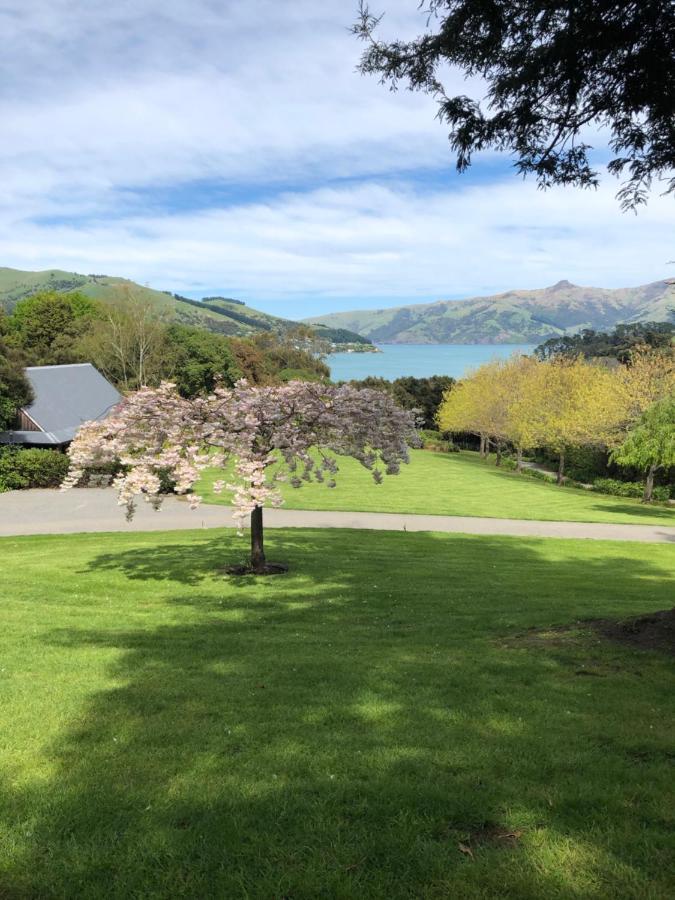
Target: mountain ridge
x,y
223,315
510,317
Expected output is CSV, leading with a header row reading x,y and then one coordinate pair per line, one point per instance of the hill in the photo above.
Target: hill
x,y
223,315
510,318
220,314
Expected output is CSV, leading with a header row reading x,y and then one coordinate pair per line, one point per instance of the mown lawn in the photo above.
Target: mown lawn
x,y
338,731
458,484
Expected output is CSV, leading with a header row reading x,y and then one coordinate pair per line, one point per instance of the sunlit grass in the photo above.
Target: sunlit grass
x,y
335,732
453,484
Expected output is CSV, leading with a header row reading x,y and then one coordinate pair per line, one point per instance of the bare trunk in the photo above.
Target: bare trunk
x,y
519,459
498,447
257,547
561,468
649,484
483,446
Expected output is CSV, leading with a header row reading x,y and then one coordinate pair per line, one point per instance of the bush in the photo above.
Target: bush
x,y
539,475
435,440
21,469
628,489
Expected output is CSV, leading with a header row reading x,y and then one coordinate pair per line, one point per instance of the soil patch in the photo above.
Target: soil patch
x,y
655,631
490,836
268,569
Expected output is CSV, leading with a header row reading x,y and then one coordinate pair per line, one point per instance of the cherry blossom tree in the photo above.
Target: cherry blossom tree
x,y
264,435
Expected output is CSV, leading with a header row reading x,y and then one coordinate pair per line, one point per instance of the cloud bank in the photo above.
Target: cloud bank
x,y
208,146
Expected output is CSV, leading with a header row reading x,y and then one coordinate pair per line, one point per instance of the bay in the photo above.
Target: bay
x,y
419,360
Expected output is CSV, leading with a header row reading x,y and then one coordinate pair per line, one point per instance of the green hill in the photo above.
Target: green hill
x,y
510,318
220,314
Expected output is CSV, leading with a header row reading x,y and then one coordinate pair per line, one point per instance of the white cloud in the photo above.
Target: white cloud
x,y
110,109
370,244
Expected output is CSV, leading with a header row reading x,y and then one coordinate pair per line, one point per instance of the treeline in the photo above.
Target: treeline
x,y
422,394
561,405
133,344
617,344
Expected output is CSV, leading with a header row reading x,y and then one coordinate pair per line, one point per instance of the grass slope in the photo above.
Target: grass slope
x,y
458,485
336,732
511,317
220,315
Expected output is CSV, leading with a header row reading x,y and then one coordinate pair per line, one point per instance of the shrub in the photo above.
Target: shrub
x,y
31,469
538,474
436,440
627,489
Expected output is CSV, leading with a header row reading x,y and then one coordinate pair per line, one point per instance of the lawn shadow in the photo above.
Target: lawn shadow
x,y
342,733
637,509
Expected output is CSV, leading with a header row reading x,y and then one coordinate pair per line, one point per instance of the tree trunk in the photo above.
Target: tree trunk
x,y
519,459
257,547
483,442
561,468
649,484
498,447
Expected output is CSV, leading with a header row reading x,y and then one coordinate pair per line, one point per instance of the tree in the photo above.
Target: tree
x,y
128,342
523,426
48,325
423,394
549,72
478,405
271,358
647,377
576,404
294,432
618,344
15,391
197,360
651,444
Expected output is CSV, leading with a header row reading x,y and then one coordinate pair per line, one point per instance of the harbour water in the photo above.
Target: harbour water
x,y
419,360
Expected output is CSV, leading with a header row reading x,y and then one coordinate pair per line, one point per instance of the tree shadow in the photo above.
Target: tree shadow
x,y
636,509
340,734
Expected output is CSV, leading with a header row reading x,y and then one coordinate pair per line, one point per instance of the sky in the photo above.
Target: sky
x,y
219,147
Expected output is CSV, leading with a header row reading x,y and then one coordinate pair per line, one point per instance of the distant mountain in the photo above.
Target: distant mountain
x,y
220,314
511,318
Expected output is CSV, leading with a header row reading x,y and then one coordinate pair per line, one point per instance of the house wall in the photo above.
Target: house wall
x,y
26,423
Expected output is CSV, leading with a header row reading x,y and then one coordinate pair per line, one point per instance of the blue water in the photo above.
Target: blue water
x,y
419,360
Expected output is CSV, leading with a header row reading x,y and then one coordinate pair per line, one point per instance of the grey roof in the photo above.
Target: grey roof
x,y
65,397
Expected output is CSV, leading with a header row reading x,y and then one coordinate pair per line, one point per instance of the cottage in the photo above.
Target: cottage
x,y
65,397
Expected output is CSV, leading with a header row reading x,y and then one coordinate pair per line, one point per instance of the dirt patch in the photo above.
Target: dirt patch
x,y
490,836
267,569
655,631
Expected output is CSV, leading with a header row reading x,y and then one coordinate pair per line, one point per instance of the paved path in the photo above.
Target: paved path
x,y
95,509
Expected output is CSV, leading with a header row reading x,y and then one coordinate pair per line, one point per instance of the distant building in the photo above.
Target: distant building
x,y
65,397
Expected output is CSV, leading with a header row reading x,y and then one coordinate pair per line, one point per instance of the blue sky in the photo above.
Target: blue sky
x,y
224,147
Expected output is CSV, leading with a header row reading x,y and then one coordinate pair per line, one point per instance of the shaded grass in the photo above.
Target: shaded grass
x,y
334,732
458,484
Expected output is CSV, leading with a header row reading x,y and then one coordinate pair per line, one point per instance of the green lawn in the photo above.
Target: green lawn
x,y
458,484
337,732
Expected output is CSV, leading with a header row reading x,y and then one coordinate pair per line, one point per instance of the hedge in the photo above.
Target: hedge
x,y
21,469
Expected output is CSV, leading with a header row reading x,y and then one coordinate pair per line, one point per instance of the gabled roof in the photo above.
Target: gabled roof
x,y
65,397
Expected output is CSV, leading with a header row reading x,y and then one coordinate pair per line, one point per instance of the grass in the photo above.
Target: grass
x,y
337,732
459,484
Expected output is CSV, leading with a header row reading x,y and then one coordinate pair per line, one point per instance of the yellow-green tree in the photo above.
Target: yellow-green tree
x,y
478,405
576,404
525,377
647,378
